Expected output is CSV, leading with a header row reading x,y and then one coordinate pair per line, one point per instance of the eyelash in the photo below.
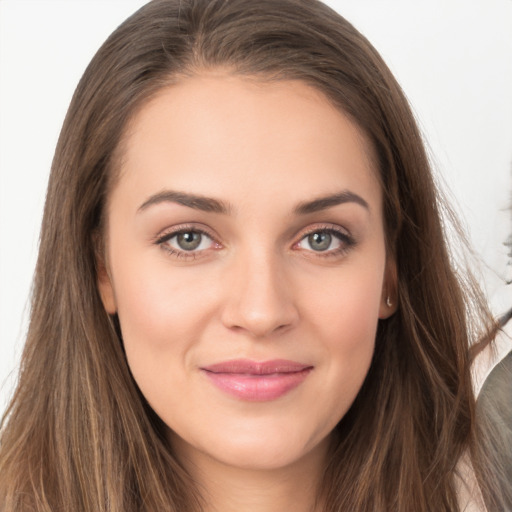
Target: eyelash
x,y
166,236
346,240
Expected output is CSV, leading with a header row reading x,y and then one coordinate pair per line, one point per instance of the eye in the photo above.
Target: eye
x,y
189,241
329,241
320,241
186,242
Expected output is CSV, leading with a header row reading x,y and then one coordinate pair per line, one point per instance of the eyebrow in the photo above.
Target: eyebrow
x,y
322,203
209,204
206,204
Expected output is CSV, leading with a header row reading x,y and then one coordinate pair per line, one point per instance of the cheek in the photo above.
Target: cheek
x,y
160,324
156,301
348,305
350,340
162,312
346,320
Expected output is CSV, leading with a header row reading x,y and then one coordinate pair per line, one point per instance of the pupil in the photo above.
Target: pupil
x,y
189,241
319,241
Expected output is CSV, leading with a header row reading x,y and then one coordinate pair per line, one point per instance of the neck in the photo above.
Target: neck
x,y
230,489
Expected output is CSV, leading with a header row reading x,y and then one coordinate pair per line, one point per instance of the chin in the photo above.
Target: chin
x,y
262,456
254,448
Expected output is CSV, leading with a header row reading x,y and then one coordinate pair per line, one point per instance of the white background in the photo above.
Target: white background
x,y
452,57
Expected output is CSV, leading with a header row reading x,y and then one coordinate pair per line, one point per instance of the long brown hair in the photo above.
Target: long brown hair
x,y
78,434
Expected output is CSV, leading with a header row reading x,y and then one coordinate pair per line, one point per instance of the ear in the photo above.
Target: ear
x,y
103,277
389,298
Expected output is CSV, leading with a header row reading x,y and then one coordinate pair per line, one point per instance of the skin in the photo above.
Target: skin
x,y
256,287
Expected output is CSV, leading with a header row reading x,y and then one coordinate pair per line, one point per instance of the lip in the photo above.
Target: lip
x,y
257,381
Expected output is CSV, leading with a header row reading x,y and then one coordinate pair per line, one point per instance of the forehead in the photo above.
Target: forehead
x,y
218,133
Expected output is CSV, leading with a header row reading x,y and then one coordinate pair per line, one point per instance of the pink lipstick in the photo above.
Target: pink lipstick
x,y
257,381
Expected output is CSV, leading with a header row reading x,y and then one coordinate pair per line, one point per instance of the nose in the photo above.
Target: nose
x,y
259,300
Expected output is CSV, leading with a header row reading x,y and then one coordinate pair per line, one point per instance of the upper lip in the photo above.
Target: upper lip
x,y
246,366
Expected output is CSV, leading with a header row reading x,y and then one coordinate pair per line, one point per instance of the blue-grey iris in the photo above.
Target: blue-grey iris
x,y
320,241
189,240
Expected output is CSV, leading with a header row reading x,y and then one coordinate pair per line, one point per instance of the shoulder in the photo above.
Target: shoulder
x,y
492,374
492,362
492,383
469,496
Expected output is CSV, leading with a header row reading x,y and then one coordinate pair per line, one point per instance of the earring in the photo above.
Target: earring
x,y
388,301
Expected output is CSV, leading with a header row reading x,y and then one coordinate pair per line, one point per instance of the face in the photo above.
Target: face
x,y
246,261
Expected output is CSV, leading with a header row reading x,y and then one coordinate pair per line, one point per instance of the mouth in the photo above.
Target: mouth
x,y
257,381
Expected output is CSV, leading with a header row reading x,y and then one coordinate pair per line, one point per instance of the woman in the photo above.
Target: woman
x,y
243,298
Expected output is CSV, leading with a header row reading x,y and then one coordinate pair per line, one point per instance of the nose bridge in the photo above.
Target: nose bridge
x,y
259,298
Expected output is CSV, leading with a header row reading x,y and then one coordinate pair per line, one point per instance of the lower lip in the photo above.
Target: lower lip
x,y
257,388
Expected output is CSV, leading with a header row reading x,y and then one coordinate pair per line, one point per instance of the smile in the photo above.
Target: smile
x,y
257,381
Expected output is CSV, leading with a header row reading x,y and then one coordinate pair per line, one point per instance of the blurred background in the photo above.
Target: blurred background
x,y
453,59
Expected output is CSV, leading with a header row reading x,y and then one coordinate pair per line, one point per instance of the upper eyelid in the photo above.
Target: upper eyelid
x,y
324,227
183,228
346,239
169,232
